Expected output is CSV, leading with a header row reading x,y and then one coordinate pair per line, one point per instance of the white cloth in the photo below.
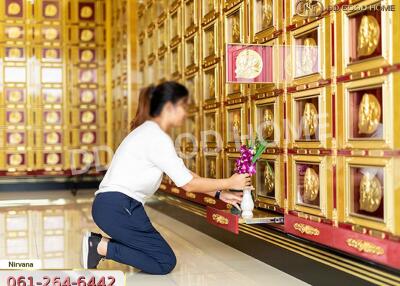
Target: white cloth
x,y
138,164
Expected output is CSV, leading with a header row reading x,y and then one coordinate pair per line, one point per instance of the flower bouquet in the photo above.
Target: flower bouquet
x,y
249,154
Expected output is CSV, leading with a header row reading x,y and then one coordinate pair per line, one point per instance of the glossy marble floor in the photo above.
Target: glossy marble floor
x,y
48,225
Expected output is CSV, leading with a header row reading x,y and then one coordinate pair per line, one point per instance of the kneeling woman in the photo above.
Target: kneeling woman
x,y
133,176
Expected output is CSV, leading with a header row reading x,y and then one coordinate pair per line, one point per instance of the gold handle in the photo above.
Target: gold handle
x,y
365,246
220,219
307,229
210,201
190,195
175,190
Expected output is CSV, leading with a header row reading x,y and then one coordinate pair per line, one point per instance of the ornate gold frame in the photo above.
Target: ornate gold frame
x,y
195,93
208,16
205,71
265,34
387,113
192,68
324,49
277,102
242,108
162,37
292,18
210,59
325,185
175,39
278,200
176,57
342,45
390,223
189,29
324,118
217,127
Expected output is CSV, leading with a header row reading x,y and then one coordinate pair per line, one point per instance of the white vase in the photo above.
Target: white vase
x,y
247,204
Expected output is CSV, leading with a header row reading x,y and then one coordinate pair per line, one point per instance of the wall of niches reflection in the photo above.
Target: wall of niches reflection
x,y
332,150
52,85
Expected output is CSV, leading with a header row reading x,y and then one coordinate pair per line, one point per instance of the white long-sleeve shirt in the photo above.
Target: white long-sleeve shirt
x,y
139,162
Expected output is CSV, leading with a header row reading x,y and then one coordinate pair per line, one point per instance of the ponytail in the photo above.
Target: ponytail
x,y
143,109
153,98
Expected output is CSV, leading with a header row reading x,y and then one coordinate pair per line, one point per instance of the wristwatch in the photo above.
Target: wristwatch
x,y
217,194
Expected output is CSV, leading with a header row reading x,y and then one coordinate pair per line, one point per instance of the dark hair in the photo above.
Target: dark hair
x,y
153,98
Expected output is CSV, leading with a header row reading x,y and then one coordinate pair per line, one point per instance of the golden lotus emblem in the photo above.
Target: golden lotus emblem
x,y
267,14
87,96
15,117
52,138
269,179
50,34
368,35
86,12
87,158
311,185
52,117
50,10
51,54
369,114
15,95
52,158
87,35
87,56
15,159
87,117
87,138
249,64
15,53
268,123
371,193
13,9
309,119
15,138
14,32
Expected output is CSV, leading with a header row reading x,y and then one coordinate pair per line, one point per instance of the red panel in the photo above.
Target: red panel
x,y
379,250
223,219
318,232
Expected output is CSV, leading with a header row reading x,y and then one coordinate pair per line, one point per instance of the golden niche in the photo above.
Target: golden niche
x,y
310,119
50,10
16,159
267,14
368,35
249,64
211,43
213,170
268,123
369,114
86,12
211,86
311,185
370,193
13,9
269,179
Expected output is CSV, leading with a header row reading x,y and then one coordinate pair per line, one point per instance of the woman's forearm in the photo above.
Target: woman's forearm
x,y
206,185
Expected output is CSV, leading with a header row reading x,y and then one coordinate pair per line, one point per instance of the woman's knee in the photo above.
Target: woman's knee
x,y
170,264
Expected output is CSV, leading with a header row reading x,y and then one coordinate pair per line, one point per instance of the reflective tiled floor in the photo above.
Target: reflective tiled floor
x,y
48,225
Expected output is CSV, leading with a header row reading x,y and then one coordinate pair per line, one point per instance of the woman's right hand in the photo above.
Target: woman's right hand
x,y
239,181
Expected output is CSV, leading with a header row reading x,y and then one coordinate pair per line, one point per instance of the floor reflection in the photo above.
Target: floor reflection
x,y
48,226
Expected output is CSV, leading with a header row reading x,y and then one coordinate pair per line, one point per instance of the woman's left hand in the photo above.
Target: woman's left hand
x,y
233,198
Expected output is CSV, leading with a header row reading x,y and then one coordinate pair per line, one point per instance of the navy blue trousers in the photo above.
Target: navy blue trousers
x,y
134,241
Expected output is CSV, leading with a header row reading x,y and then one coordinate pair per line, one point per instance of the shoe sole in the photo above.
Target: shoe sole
x,y
85,250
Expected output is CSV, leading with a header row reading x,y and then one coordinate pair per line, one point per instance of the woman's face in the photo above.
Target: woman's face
x,y
177,112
